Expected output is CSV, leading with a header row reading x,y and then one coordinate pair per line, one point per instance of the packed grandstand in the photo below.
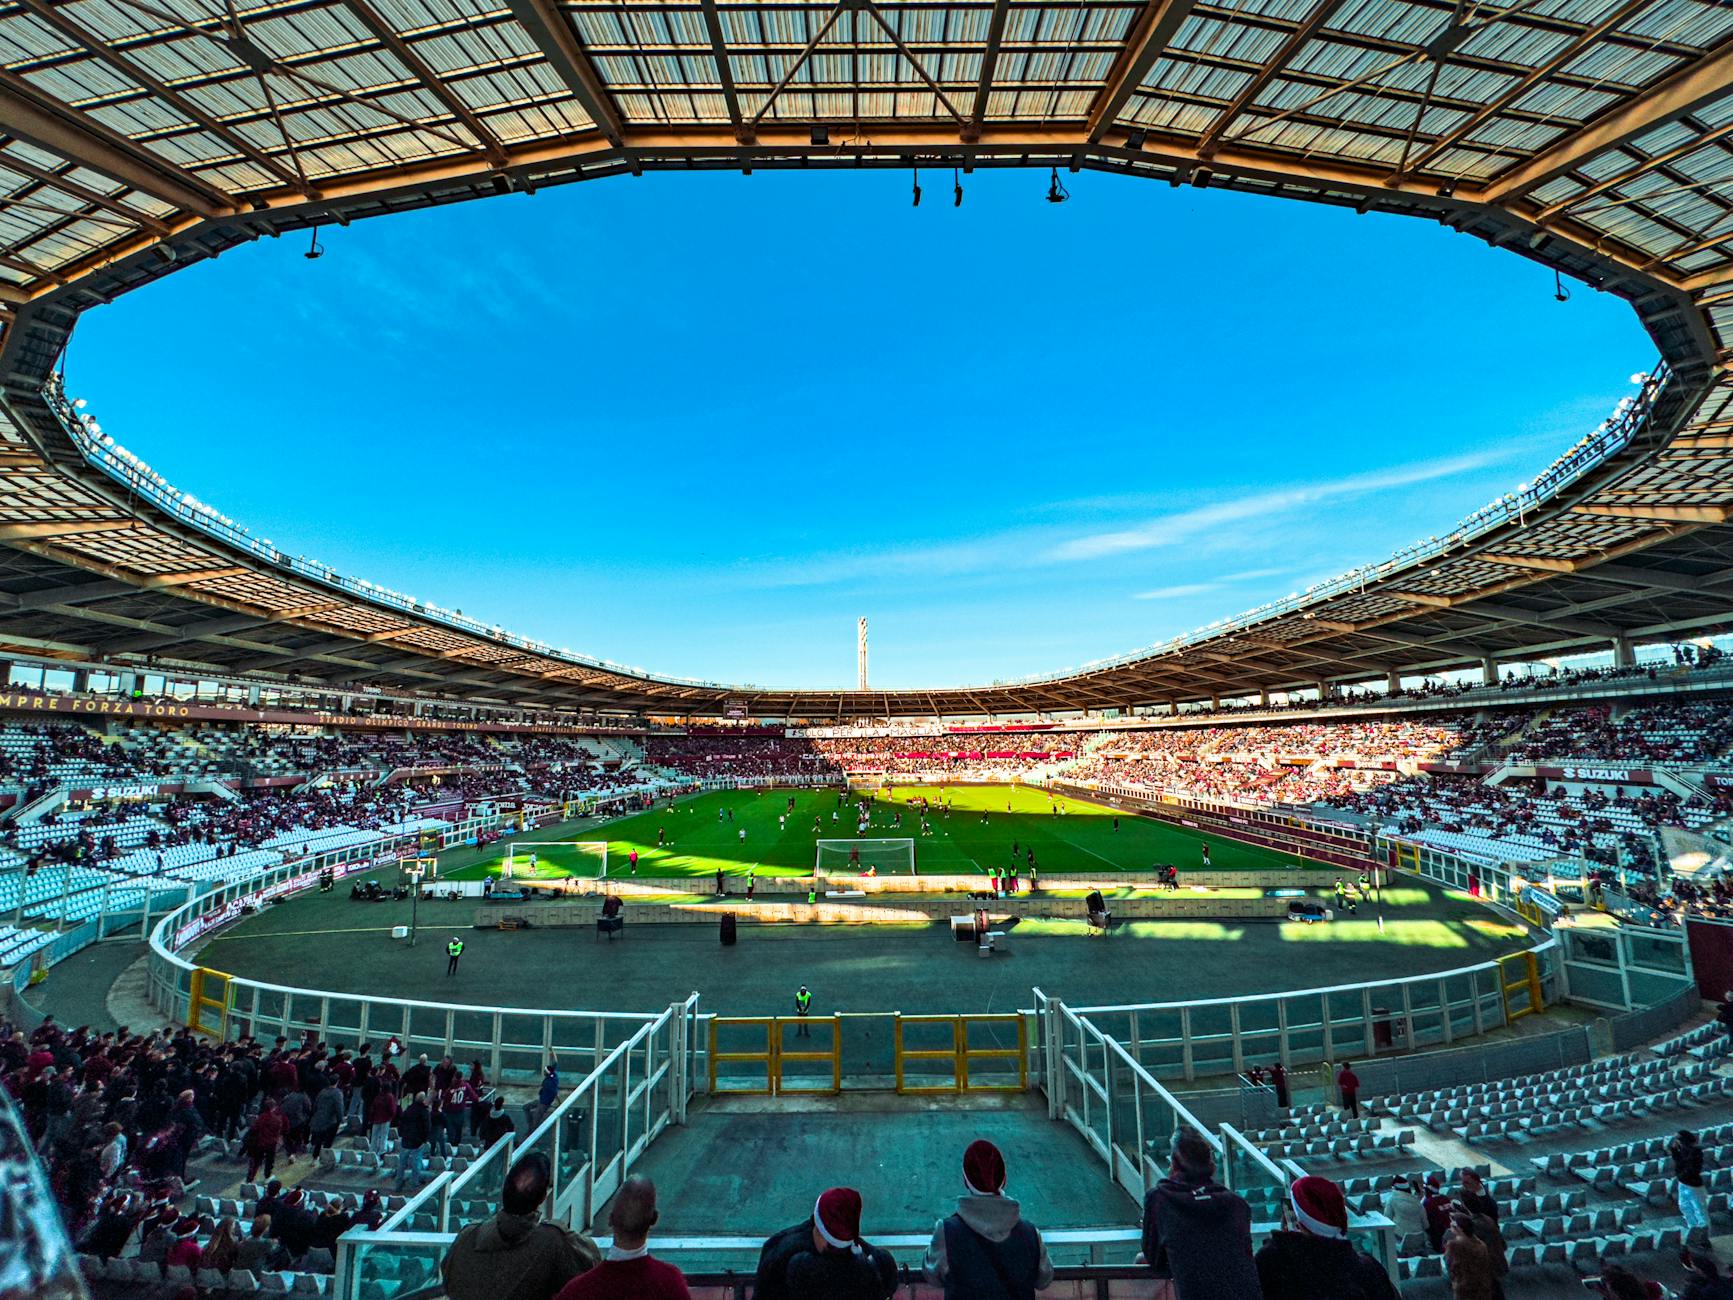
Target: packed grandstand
x,y
98,813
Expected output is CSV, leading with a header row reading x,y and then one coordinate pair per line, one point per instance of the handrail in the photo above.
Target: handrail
x,y
1431,977
1614,435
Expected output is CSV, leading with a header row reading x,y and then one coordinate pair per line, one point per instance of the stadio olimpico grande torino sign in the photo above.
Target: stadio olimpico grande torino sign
x,y
166,709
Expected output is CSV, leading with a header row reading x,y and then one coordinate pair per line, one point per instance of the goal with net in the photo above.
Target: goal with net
x,y
856,857
549,859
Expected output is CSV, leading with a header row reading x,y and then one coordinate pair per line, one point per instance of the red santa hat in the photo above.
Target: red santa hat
x,y
1319,1206
837,1218
983,1168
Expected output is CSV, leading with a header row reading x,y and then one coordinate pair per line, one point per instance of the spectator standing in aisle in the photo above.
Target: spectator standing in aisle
x,y
327,1118
414,1130
1687,1155
1467,1263
1437,1208
263,1139
189,1129
824,1257
454,1114
1474,1196
1348,1084
517,1255
1279,1081
380,1112
549,1092
1314,1260
986,1249
1196,1233
628,1270
297,1115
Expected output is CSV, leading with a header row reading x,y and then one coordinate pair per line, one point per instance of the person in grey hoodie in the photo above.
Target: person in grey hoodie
x,y
327,1116
985,1251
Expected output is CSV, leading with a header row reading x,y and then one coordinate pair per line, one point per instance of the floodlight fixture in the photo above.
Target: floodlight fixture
x,y
957,191
315,250
917,202
1056,191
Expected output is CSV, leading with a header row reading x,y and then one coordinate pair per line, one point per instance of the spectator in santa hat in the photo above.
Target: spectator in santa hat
x,y
985,1249
824,1257
184,1250
1314,1260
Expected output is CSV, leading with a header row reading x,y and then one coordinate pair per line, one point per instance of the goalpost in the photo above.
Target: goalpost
x,y
855,857
545,859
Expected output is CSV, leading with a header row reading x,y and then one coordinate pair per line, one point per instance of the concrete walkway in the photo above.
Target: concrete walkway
x,y
77,990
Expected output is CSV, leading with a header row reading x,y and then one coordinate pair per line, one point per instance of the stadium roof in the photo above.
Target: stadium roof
x,y
138,136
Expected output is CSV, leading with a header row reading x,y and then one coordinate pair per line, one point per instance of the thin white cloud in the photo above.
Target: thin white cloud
x,y
1172,529
1180,590
1042,546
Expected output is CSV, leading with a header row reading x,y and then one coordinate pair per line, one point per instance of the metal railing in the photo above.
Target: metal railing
x,y
513,1043
591,1138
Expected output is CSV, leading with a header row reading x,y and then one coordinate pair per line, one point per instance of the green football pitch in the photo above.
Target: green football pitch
x,y
702,835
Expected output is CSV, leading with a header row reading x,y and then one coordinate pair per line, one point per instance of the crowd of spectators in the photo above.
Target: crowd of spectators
x,y
739,756
1300,764
1580,824
1681,732
990,756
117,1119
356,790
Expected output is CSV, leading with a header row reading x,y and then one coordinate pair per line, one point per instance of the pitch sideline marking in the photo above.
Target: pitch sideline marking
x,y
289,934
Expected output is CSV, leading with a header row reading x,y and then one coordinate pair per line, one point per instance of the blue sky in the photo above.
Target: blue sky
x,y
700,424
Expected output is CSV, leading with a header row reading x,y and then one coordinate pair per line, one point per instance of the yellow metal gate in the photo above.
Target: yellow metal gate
x,y
953,1059
208,1003
773,1055
1522,996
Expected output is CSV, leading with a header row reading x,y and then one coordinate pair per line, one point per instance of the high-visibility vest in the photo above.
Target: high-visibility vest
x,y
454,948
802,1002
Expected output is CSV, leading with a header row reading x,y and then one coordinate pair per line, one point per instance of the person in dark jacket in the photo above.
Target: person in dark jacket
x,y
985,1251
293,1224
1314,1260
1705,1280
263,1139
1436,1207
258,1251
824,1257
1196,1233
1474,1196
414,1128
517,1255
1687,1157
189,1127
549,1092
327,1117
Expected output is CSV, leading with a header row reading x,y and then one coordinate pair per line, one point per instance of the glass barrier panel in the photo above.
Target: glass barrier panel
x,y
380,1271
1657,952
610,1121
474,1194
